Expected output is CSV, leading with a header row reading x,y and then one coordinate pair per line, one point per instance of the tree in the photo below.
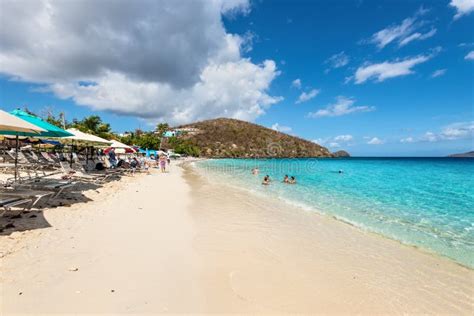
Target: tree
x,y
162,128
93,125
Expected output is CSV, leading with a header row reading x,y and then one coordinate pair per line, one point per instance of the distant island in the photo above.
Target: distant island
x,y
231,138
469,154
341,154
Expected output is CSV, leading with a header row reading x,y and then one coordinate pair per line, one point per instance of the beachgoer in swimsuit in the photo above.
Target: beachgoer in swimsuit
x,y
266,180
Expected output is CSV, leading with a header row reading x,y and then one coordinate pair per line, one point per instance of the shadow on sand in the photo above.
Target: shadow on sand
x,y
18,220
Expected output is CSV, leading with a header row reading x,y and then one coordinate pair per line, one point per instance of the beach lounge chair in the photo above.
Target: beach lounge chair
x,y
79,175
6,203
14,197
56,186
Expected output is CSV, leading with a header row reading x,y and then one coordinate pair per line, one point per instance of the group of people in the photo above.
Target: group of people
x,y
266,180
134,162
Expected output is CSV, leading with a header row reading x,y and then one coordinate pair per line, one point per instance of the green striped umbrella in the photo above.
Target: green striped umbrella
x,y
49,130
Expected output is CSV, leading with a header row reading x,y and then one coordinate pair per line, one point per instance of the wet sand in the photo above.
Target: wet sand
x,y
177,243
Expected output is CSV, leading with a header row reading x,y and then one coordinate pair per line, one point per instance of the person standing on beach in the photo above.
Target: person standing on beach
x,y
163,163
112,157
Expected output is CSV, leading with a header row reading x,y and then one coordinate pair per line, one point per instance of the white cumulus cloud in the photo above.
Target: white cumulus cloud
x,y
159,60
343,106
337,61
417,36
388,69
470,55
409,30
375,141
281,128
296,83
343,138
463,7
407,140
438,73
451,132
306,96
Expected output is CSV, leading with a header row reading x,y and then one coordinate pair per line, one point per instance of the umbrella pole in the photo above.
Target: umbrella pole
x,y
16,158
87,156
70,155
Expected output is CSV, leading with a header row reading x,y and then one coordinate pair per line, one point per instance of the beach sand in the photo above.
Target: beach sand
x,y
178,243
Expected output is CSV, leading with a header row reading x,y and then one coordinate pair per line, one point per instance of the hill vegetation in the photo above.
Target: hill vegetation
x,y
231,138
469,154
217,138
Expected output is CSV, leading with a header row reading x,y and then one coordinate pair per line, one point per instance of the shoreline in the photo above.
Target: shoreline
x,y
217,249
307,208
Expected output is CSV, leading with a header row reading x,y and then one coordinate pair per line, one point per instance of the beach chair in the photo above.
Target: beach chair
x,y
13,197
79,175
6,203
56,186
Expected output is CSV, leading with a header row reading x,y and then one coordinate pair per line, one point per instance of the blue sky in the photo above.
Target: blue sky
x,y
384,78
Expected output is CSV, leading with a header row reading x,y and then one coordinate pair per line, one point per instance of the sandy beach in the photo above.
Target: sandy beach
x,y
178,243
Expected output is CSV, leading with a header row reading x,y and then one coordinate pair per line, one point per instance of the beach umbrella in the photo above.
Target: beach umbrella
x,y
120,148
46,130
84,139
50,130
12,125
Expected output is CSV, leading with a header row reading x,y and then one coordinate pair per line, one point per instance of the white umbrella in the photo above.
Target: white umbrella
x,y
87,139
11,123
121,148
84,139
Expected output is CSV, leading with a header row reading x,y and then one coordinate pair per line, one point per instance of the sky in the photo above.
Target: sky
x,y
375,78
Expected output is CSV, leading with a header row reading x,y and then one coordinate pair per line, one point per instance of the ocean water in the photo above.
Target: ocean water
x,y
424,202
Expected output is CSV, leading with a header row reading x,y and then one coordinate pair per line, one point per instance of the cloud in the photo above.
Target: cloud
x,y
343,138
307,96
334,142
454,131
403,33
463,7
337,61
343,106
470,55
461,130
159,60
438,73
375,141
417,36
407,140
429,137
296,83
280,128
388,69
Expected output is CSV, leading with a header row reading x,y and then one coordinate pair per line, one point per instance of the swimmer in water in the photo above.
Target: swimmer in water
x,y
286,179
292,180
266,180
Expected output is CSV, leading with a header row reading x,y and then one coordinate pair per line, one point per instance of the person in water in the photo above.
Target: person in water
x,y
255,171
266,180
292,180
286,179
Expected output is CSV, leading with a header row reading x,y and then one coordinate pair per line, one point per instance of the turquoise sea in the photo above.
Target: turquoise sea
x,y
424,202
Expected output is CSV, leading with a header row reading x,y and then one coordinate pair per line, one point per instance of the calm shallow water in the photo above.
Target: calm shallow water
x,y
425,202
